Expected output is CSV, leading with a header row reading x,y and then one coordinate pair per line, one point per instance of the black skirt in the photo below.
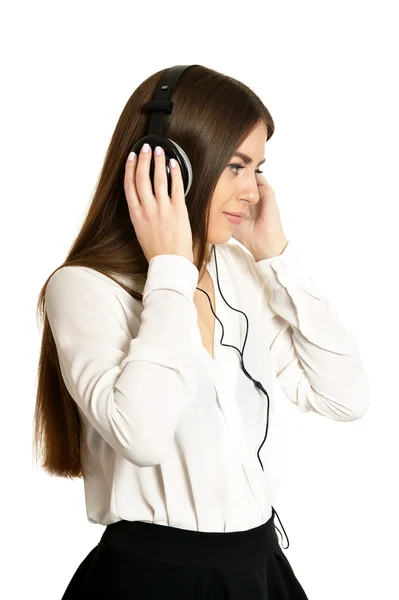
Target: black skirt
x,y
147,561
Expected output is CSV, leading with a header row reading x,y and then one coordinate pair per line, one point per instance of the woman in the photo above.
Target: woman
x,y
165,425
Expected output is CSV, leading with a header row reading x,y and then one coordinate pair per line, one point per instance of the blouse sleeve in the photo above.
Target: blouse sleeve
x,y
316,359
132,390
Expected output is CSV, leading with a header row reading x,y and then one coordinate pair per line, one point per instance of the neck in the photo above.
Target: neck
x,y
206,261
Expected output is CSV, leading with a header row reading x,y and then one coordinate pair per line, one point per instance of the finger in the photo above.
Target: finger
x,y
142,179
177,188
160,178
128,183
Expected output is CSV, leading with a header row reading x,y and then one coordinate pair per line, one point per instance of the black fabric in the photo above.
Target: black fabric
x,y
135,559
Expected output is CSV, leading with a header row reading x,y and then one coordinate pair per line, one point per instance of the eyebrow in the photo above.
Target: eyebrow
x,y
247,159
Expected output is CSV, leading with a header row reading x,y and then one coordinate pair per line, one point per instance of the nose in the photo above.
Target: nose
x,y
249,191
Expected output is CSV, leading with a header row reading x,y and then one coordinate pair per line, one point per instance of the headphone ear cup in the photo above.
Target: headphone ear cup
x,y
172,150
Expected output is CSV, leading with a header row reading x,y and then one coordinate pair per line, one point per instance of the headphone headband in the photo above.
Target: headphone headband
x,y
161,103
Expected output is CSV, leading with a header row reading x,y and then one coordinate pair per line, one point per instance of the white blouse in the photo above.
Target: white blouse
x,y
174,433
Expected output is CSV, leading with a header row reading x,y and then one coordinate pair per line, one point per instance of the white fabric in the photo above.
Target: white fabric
x,y
173,433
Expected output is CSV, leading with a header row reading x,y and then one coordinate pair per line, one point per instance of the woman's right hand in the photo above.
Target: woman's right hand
x,y
161,223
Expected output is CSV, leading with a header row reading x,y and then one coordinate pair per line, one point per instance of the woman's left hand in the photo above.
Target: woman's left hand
x,y
260,230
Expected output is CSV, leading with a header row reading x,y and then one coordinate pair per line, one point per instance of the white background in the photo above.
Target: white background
x,y
328,74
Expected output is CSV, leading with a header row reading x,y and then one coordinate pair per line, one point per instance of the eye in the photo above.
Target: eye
x,y
236,166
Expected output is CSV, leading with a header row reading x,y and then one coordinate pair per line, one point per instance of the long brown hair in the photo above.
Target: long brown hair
x,y
212,115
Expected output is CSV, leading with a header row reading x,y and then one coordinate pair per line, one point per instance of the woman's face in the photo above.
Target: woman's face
x,y
237,186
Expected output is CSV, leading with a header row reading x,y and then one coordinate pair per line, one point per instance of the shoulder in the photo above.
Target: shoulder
x,y
240,262
79,275
242,269
71,280
236,253
77,285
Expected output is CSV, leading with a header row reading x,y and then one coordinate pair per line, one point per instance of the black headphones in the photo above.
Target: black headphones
x,y
160,105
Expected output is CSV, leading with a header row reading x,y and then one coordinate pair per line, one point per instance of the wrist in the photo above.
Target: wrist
x,y
270,250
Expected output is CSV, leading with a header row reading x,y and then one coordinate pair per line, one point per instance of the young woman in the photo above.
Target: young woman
x,y
163,346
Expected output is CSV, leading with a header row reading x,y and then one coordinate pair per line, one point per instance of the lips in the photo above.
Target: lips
x,y
236,220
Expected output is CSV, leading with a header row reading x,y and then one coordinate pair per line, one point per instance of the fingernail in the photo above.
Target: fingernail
x,y
158,150
145,148
131,156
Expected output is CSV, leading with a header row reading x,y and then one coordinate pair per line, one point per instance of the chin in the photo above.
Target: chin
x,y
221,238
